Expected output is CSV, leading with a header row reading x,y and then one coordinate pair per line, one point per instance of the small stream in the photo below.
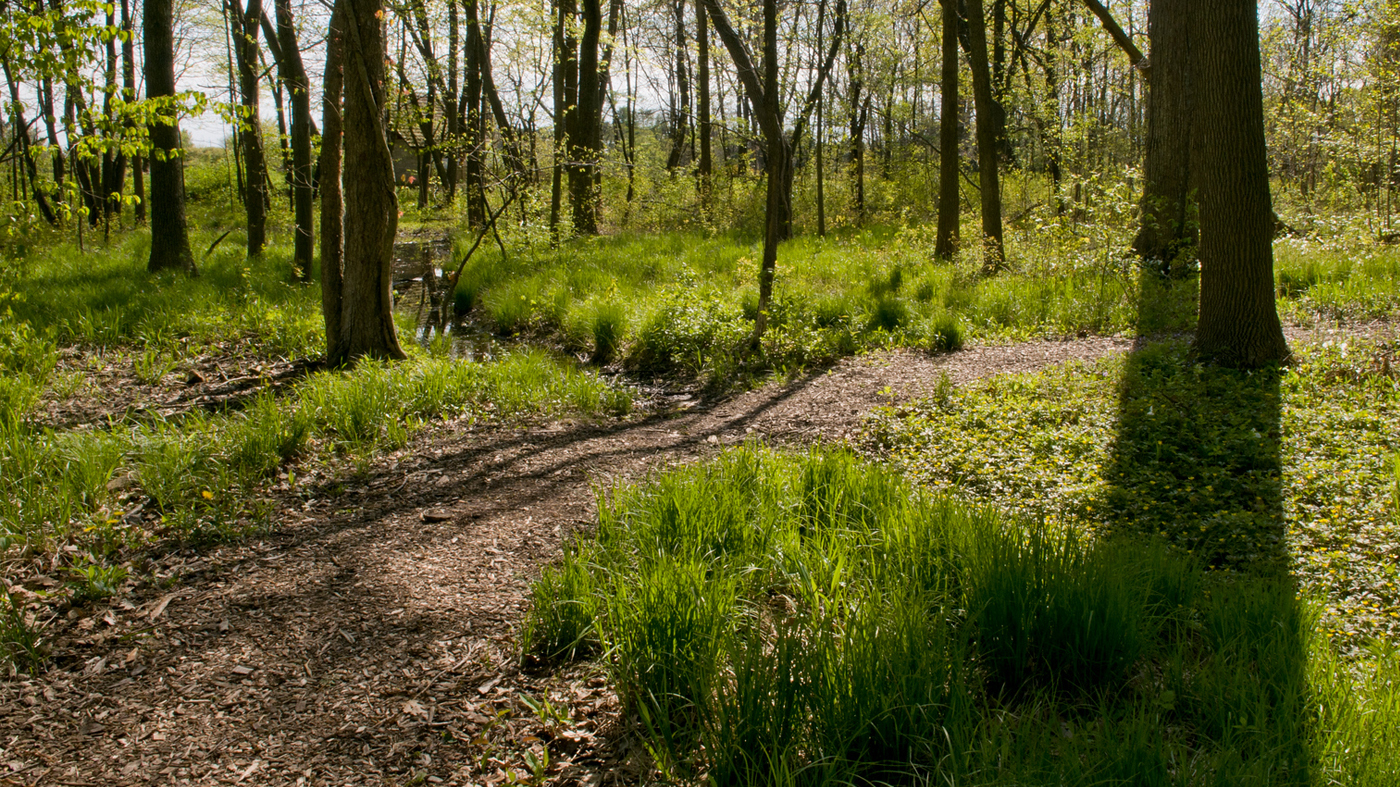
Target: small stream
x,y
420,281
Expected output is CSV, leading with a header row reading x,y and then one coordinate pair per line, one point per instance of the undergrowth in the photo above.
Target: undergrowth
x,y
85,503
1290,469
811,619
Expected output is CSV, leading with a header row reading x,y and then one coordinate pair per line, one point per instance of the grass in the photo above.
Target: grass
x,y
680,302
811,619
1276,472
79,499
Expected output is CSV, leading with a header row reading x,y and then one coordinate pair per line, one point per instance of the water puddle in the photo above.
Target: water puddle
x,y
420,271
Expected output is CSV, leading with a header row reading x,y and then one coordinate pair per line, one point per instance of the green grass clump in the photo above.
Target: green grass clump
x,y
107,299
772,618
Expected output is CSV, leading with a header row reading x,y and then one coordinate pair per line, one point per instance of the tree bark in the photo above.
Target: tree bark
x,y
170,240
988,146
371,206
1167,235
299,88
680,100
1239,324
332,203
949,202
246,22
705,168
586,138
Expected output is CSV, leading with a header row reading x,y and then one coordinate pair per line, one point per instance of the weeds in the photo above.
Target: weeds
x,y
810,619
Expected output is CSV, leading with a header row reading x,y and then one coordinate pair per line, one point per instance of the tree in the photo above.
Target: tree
x,y
988,133
1167,233
1238,324
244,22
949,203
170,240
365,324
293,73
763,92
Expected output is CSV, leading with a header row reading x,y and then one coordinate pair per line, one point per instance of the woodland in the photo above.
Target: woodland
x,y
790,392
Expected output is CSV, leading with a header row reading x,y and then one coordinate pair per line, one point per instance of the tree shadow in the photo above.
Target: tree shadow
x,y
1196,462
1196,458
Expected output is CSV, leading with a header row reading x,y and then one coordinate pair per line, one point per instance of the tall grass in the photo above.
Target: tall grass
x,y
809,619
76,496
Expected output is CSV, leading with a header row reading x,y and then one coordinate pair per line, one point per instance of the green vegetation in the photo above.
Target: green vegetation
x,y
811,619
680,303
87,502
1262,472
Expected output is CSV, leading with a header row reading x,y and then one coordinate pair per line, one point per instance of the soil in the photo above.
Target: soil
x,y
370,638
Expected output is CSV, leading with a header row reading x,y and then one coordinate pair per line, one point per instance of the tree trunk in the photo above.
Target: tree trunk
x,y
332,204
586,135
763,91
987,144
680,100
170,240
949,201
246,23
705,167
299,88
860,110
371,206
1239,324
1167,234
565,88
475,137
113,161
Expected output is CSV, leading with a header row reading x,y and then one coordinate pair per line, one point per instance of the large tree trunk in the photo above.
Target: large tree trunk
x,y
332,203
1168,233
1239,324
949,202
988,146
371,206
303,198
245,22
170,240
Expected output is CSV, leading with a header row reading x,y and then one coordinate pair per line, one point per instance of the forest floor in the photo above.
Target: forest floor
x,y
370,638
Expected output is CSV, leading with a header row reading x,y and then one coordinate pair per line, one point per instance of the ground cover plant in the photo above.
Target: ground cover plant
x,y
682,302
1266,471
774,618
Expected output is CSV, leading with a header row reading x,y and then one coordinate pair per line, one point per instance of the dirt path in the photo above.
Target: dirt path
x,y
370,640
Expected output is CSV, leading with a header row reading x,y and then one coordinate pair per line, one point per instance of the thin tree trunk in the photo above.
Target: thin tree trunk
x,y
705,168
170,240
680,100
1239,324
987,144
949,202
860,111
246,23
585,135
332,203
299,88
